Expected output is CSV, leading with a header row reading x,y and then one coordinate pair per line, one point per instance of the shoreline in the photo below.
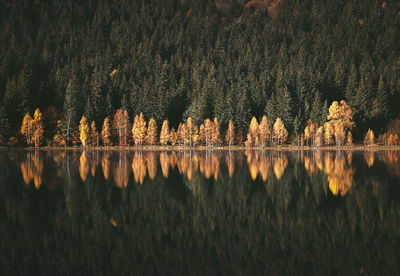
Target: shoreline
x,y
219,148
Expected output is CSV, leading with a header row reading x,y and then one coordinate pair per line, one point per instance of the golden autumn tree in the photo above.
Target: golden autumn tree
x,y
230,134
94,135
121,126
369,138
329,132
139,130
310,132
164,134
173,137
319,137
190,130
206,132
341,117
151,138
183,134
280,133
27,129
37,128
105,133
83,131
264,131
349,140
215,132
60,137
252,135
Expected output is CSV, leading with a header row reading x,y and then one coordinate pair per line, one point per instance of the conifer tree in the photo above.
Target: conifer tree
x,y
105,133
230,134
37,127
83,131
26,128
279,132
151,138
139,130
164,134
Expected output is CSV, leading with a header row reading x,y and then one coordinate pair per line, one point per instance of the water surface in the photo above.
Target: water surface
x,y
200,212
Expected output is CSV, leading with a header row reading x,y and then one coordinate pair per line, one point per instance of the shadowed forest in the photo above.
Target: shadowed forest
x,y
201,59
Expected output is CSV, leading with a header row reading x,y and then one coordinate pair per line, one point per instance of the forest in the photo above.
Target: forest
x,y
178,59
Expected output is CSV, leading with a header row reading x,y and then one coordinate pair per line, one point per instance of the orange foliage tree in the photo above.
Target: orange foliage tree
x,y
139,130
369,138
341,117
280,133
27,129
37,127
252,135
83,131
264,131
152,132
121,126
164,134
230,134
105,133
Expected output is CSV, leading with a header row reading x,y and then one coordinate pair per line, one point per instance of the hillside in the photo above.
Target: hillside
x,y
224,58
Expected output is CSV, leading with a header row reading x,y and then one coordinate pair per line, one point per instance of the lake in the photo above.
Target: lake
x,y
200,212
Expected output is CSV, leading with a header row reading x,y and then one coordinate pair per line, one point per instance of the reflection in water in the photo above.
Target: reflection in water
x,y
336,165
201,210
32,168
121,170
83,166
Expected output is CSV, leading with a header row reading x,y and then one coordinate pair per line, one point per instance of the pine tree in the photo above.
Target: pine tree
x,y
27,129
152,132
230,134
105,133
71,103
83,131
37,127
279,132
164,134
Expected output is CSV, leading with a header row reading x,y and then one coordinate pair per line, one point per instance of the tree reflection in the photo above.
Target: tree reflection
x,y
32,169
83,166
121,170
139,167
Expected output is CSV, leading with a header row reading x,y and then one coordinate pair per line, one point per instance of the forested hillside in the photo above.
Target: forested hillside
x,y
173,59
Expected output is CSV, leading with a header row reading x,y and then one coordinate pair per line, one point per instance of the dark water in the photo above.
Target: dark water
x,y
200,213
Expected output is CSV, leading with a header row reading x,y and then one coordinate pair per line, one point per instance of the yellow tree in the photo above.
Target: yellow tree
x,y
173,136
183,134
139,130
164,134
105,133
83,131
215,132
252,136
152,132
190,130
37,127
264,131
26,128
329,132
341,116
310,132
230,134
349,141
319,137
121,126
369,138
280,133
94,135
206,132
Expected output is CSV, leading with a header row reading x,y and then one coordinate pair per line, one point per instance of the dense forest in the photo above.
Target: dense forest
x,y
176,59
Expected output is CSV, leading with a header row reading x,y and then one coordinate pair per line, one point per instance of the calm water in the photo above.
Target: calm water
x,y
200,213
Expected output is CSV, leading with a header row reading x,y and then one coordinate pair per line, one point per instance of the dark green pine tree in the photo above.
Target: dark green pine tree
x,y
243,111
71,107
284,107
98,97
297,125
351,86
381,103
317,113
24,94
270,109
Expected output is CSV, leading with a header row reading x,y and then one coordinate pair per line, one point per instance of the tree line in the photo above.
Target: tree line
x,y
120,132
181,59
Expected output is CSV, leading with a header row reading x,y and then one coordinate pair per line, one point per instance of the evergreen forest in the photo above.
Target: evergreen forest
x,y
175,59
